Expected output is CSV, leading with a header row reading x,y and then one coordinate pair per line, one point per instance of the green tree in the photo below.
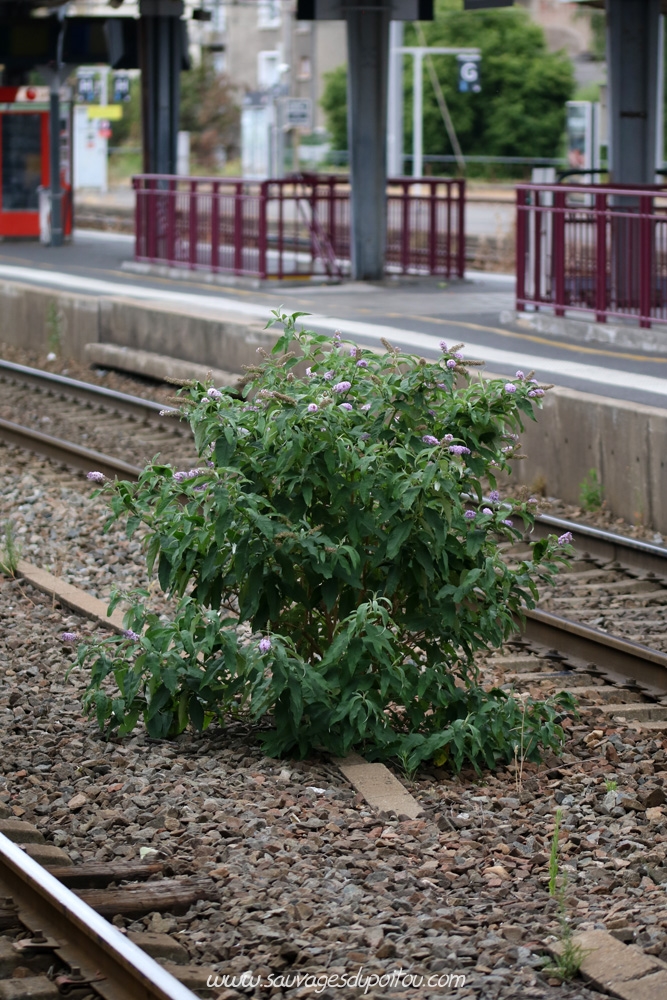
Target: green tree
x,y
334,105
210,113
521,108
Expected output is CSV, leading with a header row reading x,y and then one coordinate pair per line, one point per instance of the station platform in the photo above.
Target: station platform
x,y
415,314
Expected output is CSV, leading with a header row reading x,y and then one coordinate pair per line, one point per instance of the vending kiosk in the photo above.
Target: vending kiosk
x,y
24,159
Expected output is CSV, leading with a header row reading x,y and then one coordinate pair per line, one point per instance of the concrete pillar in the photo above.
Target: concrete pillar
x,y
634,47
161,58
368,59
395,102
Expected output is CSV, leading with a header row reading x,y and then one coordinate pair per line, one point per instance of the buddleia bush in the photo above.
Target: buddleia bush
x,y
336,565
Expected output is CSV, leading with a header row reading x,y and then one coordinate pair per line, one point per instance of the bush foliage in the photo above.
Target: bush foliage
x,y
336,564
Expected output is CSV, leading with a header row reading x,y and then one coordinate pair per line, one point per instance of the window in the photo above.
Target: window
x,y
21,161
268,72
304,68
268,14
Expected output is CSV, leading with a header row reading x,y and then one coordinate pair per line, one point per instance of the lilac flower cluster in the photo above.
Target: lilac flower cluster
x,y
313,407
430,440
96,477
494,495
346,406
510,387
536,392
129,634
458,449
565,539
69,637
342,386
214,394
181,476
451,363
362,364
469,515
264,645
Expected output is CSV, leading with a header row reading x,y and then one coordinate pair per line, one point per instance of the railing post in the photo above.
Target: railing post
x,y
172,199
558,264
461,243
646,257
405,227
192,228
238,227
601,303
521,215
263,202
215,226
138,222
151,216
432,224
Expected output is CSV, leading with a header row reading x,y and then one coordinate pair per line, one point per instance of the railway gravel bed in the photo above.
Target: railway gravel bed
x,y
306,878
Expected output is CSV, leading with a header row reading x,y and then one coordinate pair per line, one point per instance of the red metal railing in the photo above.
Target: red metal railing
x,y
293,226
600,249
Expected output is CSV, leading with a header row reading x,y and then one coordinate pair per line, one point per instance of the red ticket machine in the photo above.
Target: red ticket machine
x,y
24,159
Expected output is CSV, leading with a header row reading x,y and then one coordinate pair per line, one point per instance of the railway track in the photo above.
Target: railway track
x,y
87,426
53,944
98,428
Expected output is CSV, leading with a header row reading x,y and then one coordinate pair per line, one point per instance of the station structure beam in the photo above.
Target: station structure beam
x,y
634,59
161,60
367,68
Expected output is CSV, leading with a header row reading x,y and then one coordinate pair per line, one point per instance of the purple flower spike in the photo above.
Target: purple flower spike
x,y
429,439
364,436
531,500
346,406
180,477
494,495
508,522
486,510
565,539
458,449
336,336
328,375
447,438
510,387
536,392
366,407
214,394
96,477
342,386
520,375
469,515
264,645
69,637
129,634
451,363
313,407
309,371
443,345
458,355
353,352
362,364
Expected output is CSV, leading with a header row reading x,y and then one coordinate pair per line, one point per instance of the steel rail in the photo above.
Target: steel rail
x,y
84,391
74,455
631,552
646,666
116,968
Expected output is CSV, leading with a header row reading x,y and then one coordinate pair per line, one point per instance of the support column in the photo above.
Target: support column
x,y
395,102
161,58
368,58
634,46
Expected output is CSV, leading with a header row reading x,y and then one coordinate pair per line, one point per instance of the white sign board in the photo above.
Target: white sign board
x,y
90,151
298,112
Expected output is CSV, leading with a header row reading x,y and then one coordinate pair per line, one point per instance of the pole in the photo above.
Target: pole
x,y
417,115
395,101
368,59
54,164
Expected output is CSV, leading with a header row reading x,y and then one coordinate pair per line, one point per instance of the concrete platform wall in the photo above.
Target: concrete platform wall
x,y
626,443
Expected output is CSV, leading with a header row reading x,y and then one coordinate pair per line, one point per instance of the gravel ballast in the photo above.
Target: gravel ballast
x,y
309,879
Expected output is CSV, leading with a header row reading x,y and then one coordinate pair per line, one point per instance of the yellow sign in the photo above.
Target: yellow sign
x,y
112,112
